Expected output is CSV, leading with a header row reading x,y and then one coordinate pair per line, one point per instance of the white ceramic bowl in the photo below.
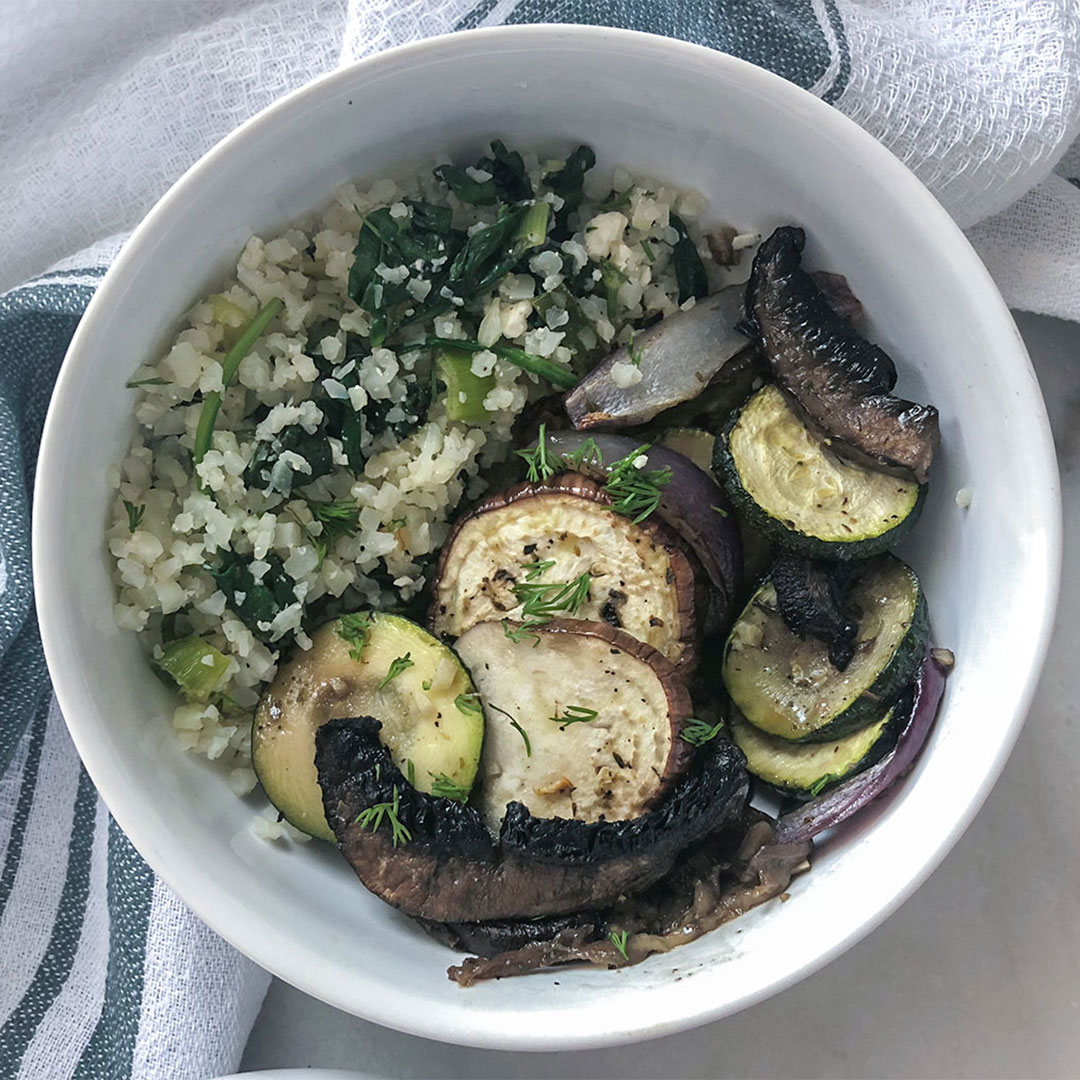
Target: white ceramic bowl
x,y
764,152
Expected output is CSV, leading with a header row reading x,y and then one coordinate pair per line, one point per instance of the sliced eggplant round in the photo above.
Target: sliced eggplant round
x,y
805,769
384,666
583,720
700,447
639,577
435,858
789,483
786,685
690,503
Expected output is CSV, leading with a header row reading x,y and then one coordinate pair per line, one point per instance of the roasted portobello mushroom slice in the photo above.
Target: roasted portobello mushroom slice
x,y
812,597
841,381
558,546
786,685
789,484
381,665
445,866
583,720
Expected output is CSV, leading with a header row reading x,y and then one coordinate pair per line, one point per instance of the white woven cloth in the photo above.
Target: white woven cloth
x,y
104,103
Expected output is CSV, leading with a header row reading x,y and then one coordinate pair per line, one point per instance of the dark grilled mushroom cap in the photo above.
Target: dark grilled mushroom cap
x,y
812,597
507,935
645,579
450,870
840,380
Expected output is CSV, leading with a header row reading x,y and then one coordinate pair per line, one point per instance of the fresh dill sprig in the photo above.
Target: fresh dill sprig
x,y
397,666
410,772
135,515
469,704
647,248
524,734
372,818
541,601
536,569
588,453
635,353
636,492
338,517
618,939
522,633
542,464
425,685
821,783
573,714
517,727
134,384
698,732
355,629
446,788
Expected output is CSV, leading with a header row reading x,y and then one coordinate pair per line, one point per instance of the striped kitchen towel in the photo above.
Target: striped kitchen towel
x,y
103,973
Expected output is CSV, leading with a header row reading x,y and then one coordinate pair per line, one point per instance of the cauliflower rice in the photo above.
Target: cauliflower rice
x,y
571,302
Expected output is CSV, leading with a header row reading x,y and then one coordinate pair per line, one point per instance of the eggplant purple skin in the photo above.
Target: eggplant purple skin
x,y
691,503
853,795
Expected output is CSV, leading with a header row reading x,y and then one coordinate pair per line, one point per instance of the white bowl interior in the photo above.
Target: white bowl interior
x,y
764,153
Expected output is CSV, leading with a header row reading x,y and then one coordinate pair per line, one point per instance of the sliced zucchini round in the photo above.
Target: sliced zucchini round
x,y
788,483
804,769
785,685
368,665
694,444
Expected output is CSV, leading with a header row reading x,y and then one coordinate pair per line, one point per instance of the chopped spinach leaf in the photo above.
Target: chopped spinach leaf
x,y
427,217
569,184
257,603
689,269
469,191
507,168
268,471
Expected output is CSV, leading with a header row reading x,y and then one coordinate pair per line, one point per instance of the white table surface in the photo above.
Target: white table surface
x,y
977,975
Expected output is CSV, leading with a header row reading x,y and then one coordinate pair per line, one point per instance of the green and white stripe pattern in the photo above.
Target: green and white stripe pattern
x,y
97,958
104,973
801,40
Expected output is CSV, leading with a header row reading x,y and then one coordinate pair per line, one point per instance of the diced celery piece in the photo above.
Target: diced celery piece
x,y
224,311
465,392
195,665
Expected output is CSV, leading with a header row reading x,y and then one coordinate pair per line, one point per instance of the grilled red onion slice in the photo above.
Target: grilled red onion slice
x,y
851,796
676,358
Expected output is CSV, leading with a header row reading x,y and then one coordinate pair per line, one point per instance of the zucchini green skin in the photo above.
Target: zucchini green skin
x,y
805,769
781,532
427,722
892,679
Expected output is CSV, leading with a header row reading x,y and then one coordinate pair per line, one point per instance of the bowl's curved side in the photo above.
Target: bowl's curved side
x,y
764,151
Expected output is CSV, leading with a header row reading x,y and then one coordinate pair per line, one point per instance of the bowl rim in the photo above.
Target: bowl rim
x,y
210,901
